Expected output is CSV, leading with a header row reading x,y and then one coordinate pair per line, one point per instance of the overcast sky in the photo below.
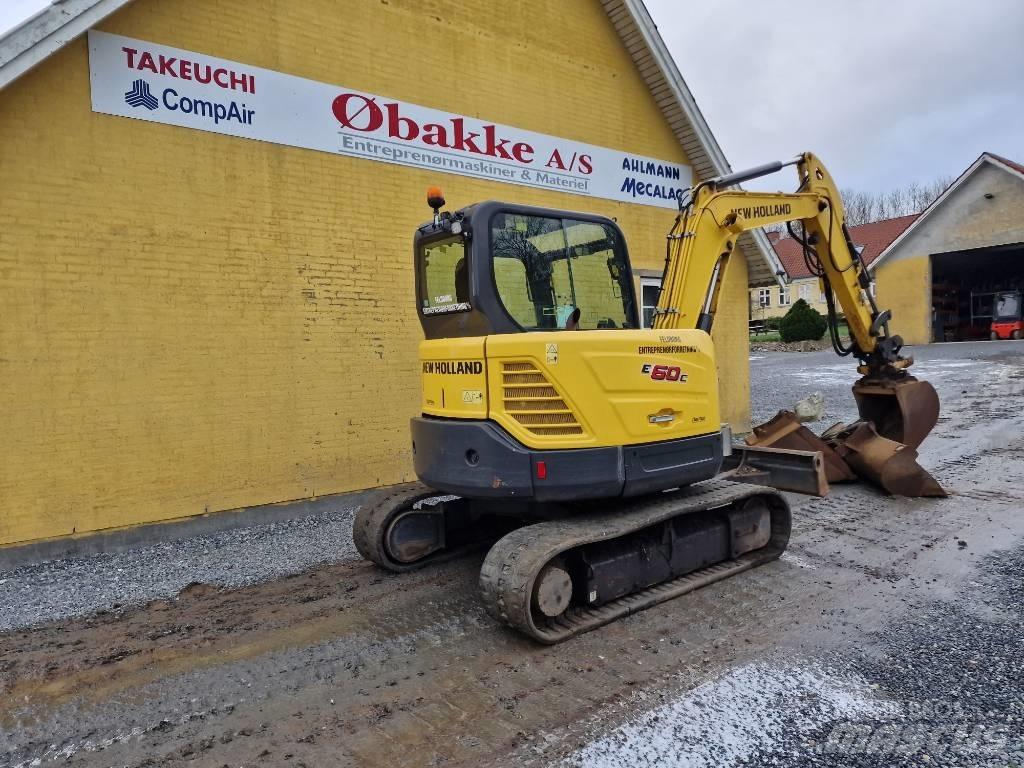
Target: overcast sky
x,y
885,91
15,11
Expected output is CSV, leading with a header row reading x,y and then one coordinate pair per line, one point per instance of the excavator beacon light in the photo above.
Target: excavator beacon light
x,y
435,198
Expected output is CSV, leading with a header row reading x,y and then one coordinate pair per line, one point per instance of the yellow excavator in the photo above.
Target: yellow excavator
x,y
589,449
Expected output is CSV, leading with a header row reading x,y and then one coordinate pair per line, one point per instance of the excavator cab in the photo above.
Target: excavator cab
x,y
534,361
498,268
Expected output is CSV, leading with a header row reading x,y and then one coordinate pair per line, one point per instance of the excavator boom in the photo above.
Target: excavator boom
x,y
897,411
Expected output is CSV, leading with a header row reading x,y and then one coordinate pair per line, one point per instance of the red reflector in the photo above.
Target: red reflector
x,y
542,470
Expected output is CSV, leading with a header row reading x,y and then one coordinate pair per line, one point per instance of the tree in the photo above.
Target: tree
x,y
802,323
866,207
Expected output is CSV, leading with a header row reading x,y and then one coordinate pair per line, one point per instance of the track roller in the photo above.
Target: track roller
x,y
555,579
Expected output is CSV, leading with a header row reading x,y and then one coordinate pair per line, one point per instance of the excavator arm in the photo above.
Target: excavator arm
x,y
704,239
897,411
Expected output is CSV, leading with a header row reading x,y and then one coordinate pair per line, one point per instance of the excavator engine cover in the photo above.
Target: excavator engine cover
x,y
904,411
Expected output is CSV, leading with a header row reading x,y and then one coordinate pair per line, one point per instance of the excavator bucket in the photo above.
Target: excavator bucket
x,y
880,448
890,465
904,412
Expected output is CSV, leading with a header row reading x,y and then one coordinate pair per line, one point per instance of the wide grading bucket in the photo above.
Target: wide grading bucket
x,y
895,418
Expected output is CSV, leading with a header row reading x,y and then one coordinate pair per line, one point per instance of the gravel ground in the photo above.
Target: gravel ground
x,y
941,686
67,588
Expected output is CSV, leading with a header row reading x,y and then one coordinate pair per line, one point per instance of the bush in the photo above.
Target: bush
x,y
772,323
802,323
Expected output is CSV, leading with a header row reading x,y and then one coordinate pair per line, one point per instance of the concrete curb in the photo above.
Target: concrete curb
x,y
17,555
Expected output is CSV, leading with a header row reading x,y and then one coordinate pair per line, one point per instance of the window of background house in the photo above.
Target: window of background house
x,y
650,287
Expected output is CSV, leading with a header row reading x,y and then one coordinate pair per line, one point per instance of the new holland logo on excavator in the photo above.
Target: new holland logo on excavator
x,y
762,211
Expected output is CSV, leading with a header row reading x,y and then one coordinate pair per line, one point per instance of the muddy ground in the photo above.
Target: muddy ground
x,y
890,633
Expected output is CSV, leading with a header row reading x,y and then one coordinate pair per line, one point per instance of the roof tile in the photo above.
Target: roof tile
x,y
1016,166
875,237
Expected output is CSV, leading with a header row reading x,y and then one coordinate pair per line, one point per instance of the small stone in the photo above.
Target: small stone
x,y
810,408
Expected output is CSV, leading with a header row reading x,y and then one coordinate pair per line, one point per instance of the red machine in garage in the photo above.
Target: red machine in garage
x,y
1007,322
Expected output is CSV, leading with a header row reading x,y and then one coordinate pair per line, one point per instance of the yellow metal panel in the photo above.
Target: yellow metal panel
x,y
454,378
609,384
905,286
195,322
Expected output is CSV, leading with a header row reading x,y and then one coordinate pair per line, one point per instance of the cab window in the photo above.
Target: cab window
x,y
445,276
546,269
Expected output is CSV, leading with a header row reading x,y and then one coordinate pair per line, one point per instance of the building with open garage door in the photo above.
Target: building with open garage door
x,y
957,272
208,210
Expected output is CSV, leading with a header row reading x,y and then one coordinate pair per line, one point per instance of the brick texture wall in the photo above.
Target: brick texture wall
x,y
192,322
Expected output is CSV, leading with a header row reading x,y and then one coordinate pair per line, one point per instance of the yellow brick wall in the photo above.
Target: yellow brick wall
x,y
194,322
904,287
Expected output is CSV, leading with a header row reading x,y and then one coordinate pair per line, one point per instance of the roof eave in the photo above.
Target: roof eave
x,y
705,154
47,32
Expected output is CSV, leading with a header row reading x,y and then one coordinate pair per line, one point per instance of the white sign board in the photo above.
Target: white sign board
x,y
133,78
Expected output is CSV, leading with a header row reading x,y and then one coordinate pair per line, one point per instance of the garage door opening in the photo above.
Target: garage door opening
x,y
968,288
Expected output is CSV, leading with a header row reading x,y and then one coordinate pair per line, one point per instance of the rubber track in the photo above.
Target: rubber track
x,y
514,562
375,515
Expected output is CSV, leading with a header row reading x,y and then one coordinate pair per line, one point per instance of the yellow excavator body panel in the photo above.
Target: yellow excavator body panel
x,y
582,389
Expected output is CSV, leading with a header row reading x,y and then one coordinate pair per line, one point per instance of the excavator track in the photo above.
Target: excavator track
x,y
509,576
376,518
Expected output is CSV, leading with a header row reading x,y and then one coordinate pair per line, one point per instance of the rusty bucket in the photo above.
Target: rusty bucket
x,y
896,417
902,411
886,463
784,431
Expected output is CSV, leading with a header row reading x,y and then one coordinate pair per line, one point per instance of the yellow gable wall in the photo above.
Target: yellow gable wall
x,y
806,288
194,322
